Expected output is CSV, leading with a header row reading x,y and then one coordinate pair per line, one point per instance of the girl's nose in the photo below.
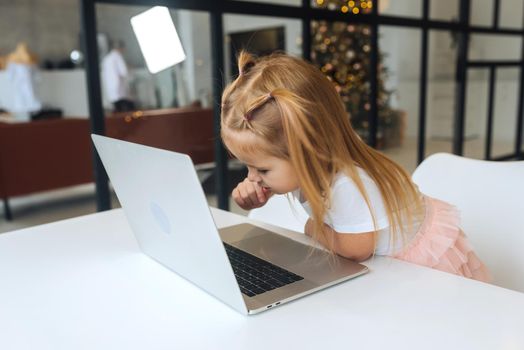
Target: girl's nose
x,y
252,175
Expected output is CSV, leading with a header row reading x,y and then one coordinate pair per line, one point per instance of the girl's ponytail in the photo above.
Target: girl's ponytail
x,y
309,153
246,61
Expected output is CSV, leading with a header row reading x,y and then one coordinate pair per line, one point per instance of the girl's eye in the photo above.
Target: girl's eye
x,y
263,171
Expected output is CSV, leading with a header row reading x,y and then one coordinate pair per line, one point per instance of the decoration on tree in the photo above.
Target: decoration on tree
x,y
341,51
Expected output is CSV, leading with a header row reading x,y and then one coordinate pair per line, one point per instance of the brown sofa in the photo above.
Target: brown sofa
x,y
50,154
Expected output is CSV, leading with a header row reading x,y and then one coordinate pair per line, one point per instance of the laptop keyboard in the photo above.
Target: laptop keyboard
x,y
256,276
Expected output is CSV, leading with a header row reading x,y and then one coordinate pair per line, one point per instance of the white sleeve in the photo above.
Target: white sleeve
x,y
349,212
121,66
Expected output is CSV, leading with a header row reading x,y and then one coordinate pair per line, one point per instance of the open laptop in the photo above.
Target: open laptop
x,y
247,267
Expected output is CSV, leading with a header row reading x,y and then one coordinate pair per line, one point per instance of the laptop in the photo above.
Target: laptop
x,y
245,266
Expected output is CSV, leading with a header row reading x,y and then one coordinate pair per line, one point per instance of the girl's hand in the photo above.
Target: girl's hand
x,y
249,195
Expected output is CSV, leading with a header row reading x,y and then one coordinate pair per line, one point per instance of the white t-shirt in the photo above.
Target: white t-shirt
x,y
115,75
349,214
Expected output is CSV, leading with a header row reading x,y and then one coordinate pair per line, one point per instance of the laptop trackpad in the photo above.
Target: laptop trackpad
x,y
282,251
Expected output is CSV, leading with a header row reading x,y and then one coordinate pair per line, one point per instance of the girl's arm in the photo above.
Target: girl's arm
x,y
357,247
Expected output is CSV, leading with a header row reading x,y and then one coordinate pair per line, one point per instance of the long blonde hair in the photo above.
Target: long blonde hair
x,y
293,112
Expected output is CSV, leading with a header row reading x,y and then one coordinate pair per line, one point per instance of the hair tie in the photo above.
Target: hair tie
x,y
249,115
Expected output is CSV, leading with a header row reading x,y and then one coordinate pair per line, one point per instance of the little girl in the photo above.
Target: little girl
x,y
284,119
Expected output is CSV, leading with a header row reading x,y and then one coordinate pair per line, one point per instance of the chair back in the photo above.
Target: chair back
x,y
490,197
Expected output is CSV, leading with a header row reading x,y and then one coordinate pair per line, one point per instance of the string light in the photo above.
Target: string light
x,y
346,6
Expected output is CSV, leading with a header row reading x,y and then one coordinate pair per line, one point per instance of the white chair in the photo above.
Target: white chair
x,y
279,211
490,197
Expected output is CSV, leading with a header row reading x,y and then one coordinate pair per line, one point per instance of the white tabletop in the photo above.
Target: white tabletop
x,y
84,284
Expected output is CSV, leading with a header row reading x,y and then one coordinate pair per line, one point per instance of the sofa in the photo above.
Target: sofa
x,y
50,154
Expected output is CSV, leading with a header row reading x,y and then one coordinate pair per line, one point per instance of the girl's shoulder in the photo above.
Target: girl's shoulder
x,y
345,189
343,179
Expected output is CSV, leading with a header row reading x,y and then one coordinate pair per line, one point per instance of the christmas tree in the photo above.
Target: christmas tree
x,y
341,51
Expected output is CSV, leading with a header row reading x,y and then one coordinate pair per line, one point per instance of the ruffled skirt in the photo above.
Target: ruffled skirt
x,y
441,244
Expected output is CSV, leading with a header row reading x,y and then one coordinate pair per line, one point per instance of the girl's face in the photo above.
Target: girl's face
x,y
272,173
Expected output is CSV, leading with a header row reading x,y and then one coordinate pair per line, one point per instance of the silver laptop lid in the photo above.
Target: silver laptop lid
x,y
167,210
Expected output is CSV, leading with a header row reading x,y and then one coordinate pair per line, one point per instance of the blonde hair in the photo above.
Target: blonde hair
x,y
290,110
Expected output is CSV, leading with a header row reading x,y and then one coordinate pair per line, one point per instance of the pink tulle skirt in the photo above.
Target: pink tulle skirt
x,y
441,244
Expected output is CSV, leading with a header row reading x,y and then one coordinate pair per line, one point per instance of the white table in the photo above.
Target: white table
x,y
84,284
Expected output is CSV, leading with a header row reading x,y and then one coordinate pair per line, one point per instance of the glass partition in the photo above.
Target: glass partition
x,y
505,112
442,58
259,35
444,10
477,101
494,47
482,12
510,15
401,8
402,81
187,84
171,109
341,52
